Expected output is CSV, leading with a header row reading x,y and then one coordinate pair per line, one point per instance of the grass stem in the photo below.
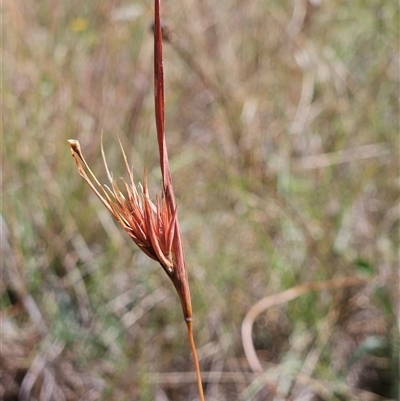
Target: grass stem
x,y
189,325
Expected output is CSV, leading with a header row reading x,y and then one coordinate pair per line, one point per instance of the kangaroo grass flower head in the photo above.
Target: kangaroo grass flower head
x,y
152,225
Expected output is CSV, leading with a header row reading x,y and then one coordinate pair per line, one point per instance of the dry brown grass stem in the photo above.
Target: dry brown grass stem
x,y
189,325
283,297
276,299
153,226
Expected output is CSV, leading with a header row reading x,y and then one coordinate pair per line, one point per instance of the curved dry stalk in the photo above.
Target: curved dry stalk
x,y
283,297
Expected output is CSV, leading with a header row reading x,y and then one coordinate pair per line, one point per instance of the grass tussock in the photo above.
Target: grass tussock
x,y
282,129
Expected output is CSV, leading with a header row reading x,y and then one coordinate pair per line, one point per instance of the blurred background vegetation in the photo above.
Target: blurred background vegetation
x,y
282,127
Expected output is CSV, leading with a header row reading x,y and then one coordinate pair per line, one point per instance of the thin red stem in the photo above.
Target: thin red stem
x,y
189,325
159,107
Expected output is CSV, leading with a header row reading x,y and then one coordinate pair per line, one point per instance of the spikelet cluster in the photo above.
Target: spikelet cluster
x,y
151,225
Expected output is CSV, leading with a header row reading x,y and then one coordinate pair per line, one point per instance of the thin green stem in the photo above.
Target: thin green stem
x,y
189,325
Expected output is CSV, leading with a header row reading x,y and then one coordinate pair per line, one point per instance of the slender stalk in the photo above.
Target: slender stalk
x,y
189,325
178,274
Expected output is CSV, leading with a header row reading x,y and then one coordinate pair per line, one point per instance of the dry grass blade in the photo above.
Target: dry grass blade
x,y
283,297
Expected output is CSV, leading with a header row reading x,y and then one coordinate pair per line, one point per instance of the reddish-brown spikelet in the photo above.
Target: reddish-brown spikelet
x,y
152,226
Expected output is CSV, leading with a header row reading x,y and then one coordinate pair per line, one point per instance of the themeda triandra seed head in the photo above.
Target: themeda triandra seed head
x,y
151,225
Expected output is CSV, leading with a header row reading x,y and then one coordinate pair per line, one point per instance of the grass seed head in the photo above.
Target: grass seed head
x,y
150,225
153,226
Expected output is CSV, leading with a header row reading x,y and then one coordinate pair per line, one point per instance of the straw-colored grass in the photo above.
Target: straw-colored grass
x,y
282,131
